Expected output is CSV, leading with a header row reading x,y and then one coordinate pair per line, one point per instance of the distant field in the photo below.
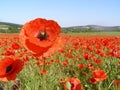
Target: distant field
x,y
93,58
73,34
95,33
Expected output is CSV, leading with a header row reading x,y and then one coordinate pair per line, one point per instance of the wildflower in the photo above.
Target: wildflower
x,y
9,68
85,73
15,45
62,80
97,61
90,66
44,72
80,66
116,83
65,63
52,61
87,56
75,84
39,35
92,80
99,75
58,44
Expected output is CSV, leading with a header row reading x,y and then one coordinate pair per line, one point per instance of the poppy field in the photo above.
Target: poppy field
x,y
94,60
49,60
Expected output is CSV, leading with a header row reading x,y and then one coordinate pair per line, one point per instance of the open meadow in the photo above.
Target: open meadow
x,y
91,57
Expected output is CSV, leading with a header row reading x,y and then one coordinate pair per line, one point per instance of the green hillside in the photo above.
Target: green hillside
x,y
90,28
6,27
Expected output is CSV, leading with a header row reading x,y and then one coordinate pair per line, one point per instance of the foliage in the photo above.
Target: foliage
x,y
72,30
48,75
9,27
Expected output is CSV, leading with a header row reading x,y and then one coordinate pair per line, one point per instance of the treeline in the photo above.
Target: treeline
x,y
14,29
85,30
6,27
9,31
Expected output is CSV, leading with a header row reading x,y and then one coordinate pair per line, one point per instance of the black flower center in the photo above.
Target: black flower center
x,y
72,85
8,68
42,35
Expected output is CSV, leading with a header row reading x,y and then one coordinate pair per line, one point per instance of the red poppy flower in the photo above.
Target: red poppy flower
x,y
90,66
39,35
99,75
65,63
92,80
9,68
58,44
116,83
44,72
97,61
80,66
75,84
15,46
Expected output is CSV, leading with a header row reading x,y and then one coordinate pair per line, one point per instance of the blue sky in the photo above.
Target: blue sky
x,y
65,12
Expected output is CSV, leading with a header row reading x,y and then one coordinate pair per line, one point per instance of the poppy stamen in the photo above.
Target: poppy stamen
x,y
42,35
72,85
8,68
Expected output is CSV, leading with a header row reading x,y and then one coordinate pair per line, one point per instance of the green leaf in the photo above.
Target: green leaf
x,y
58,88
68,85
118,76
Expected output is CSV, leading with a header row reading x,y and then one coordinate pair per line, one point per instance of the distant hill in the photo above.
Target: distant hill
x,y
91,28
6,27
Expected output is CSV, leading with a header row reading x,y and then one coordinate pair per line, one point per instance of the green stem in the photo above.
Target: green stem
x,y
99,85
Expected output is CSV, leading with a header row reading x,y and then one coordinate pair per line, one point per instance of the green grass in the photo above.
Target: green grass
x,y
31,79
111,33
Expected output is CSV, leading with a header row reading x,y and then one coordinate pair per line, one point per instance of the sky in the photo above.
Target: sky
x,y
65,12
